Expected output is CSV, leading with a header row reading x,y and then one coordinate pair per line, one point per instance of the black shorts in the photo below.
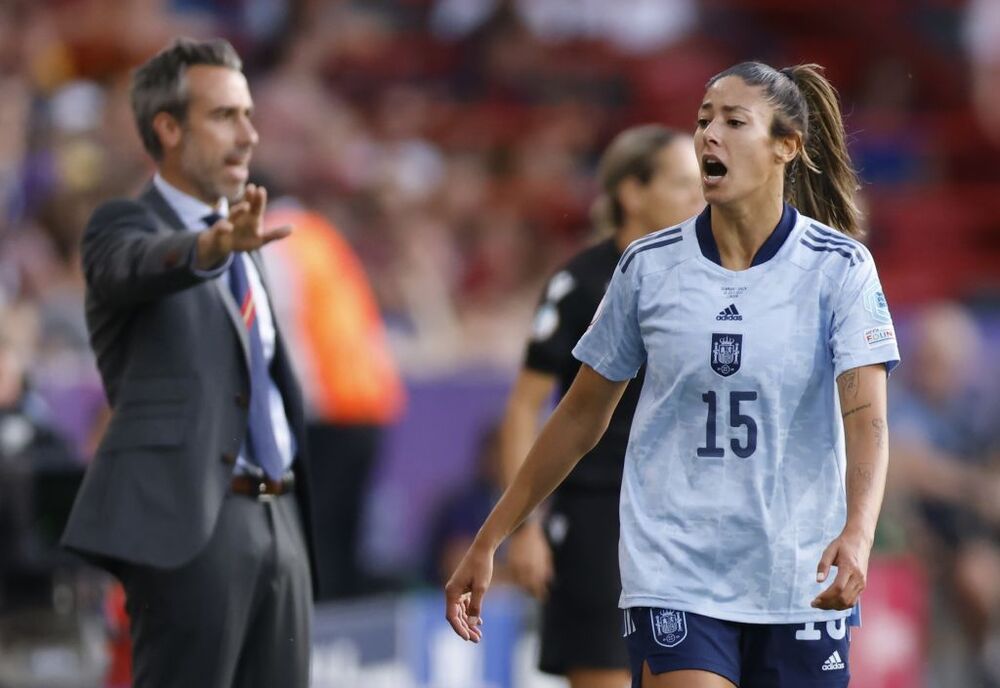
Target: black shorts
x,y
581,621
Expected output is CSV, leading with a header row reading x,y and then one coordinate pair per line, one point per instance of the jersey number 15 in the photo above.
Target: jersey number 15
x,y
736,420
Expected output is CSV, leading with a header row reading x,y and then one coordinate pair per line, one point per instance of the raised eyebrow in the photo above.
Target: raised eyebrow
x,y
707,105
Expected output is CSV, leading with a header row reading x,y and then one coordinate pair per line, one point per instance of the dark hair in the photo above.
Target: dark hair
x,y
632,153
822,181
160,85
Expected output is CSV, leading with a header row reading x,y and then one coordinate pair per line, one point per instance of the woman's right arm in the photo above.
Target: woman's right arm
x,y
574,428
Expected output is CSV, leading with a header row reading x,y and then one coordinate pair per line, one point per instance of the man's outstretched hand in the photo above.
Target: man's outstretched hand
x,y
242,231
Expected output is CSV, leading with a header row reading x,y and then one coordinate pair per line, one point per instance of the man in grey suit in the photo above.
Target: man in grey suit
x,y
196,497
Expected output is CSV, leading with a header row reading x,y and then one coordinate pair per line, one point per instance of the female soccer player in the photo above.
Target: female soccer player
x,y
742,488
650,179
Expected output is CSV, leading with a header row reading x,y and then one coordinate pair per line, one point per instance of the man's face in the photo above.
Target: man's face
x,y
218,137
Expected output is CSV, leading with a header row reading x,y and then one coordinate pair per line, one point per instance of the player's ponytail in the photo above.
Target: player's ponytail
x,y
821,181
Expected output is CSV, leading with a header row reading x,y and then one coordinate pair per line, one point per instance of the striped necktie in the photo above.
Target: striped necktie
x,y
261,446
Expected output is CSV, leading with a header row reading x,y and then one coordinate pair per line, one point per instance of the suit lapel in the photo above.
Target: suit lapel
x,y
281,368
158,204
258,263
233,311
161,208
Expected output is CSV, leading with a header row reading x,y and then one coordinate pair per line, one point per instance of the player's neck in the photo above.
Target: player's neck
x,y
741,228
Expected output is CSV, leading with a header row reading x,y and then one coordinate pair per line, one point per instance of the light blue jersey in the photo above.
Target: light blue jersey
x,y
734,473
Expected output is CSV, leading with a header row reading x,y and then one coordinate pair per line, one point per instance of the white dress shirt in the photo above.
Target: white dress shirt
x,y
192,212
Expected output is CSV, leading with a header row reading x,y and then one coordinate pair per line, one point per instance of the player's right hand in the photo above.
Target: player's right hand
x,y
529,558
464,592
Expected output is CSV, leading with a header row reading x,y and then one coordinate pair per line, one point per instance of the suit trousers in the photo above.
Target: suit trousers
x,y
239,615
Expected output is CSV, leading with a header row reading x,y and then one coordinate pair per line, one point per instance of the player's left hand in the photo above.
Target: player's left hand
x,y
849,553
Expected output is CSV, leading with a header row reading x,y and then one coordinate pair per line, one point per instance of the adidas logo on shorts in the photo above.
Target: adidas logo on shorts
x,y
833,662
729,313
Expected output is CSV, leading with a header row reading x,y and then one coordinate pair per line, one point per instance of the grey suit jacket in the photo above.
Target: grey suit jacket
x,y
172,353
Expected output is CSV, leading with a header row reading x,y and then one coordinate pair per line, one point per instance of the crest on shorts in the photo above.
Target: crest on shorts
x,y
727,349
669,627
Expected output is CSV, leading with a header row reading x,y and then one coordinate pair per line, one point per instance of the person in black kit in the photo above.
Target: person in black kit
x,y
650,179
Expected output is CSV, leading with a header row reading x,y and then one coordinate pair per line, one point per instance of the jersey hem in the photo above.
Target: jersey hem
x,y
738,616
850,363
602,368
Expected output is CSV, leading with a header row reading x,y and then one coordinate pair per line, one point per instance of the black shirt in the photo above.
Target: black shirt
x,y
565,310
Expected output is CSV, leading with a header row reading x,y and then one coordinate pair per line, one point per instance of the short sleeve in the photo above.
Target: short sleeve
x,y
612,345
862,332
559,321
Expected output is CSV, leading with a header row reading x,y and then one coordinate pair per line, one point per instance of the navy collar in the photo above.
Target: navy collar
x,y
767,251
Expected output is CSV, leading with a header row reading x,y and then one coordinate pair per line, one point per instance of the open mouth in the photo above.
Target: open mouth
x,y
713,168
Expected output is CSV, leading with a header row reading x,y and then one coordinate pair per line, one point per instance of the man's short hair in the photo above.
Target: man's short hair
x,y
160,85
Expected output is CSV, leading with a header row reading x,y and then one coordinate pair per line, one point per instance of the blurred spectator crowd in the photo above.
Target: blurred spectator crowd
x,y
453,144
453,141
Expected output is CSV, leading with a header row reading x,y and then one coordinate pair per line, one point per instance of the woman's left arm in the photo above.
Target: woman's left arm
x,y
863,405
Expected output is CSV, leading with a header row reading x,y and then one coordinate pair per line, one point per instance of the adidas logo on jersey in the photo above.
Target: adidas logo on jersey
x,y
833,662
729,313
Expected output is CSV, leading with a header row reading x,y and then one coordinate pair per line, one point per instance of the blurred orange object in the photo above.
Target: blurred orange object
x,y
333,323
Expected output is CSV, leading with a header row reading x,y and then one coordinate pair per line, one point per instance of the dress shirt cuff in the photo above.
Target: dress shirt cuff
x,y
211,273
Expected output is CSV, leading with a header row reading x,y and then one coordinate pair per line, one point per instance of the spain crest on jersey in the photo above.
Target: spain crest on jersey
x,y
669,626
726,352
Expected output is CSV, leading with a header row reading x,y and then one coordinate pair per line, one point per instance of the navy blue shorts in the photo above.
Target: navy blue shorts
x,y
749,655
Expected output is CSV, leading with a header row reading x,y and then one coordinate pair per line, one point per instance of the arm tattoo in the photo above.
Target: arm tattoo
x,y
856,409
849,386
878,429
860,479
